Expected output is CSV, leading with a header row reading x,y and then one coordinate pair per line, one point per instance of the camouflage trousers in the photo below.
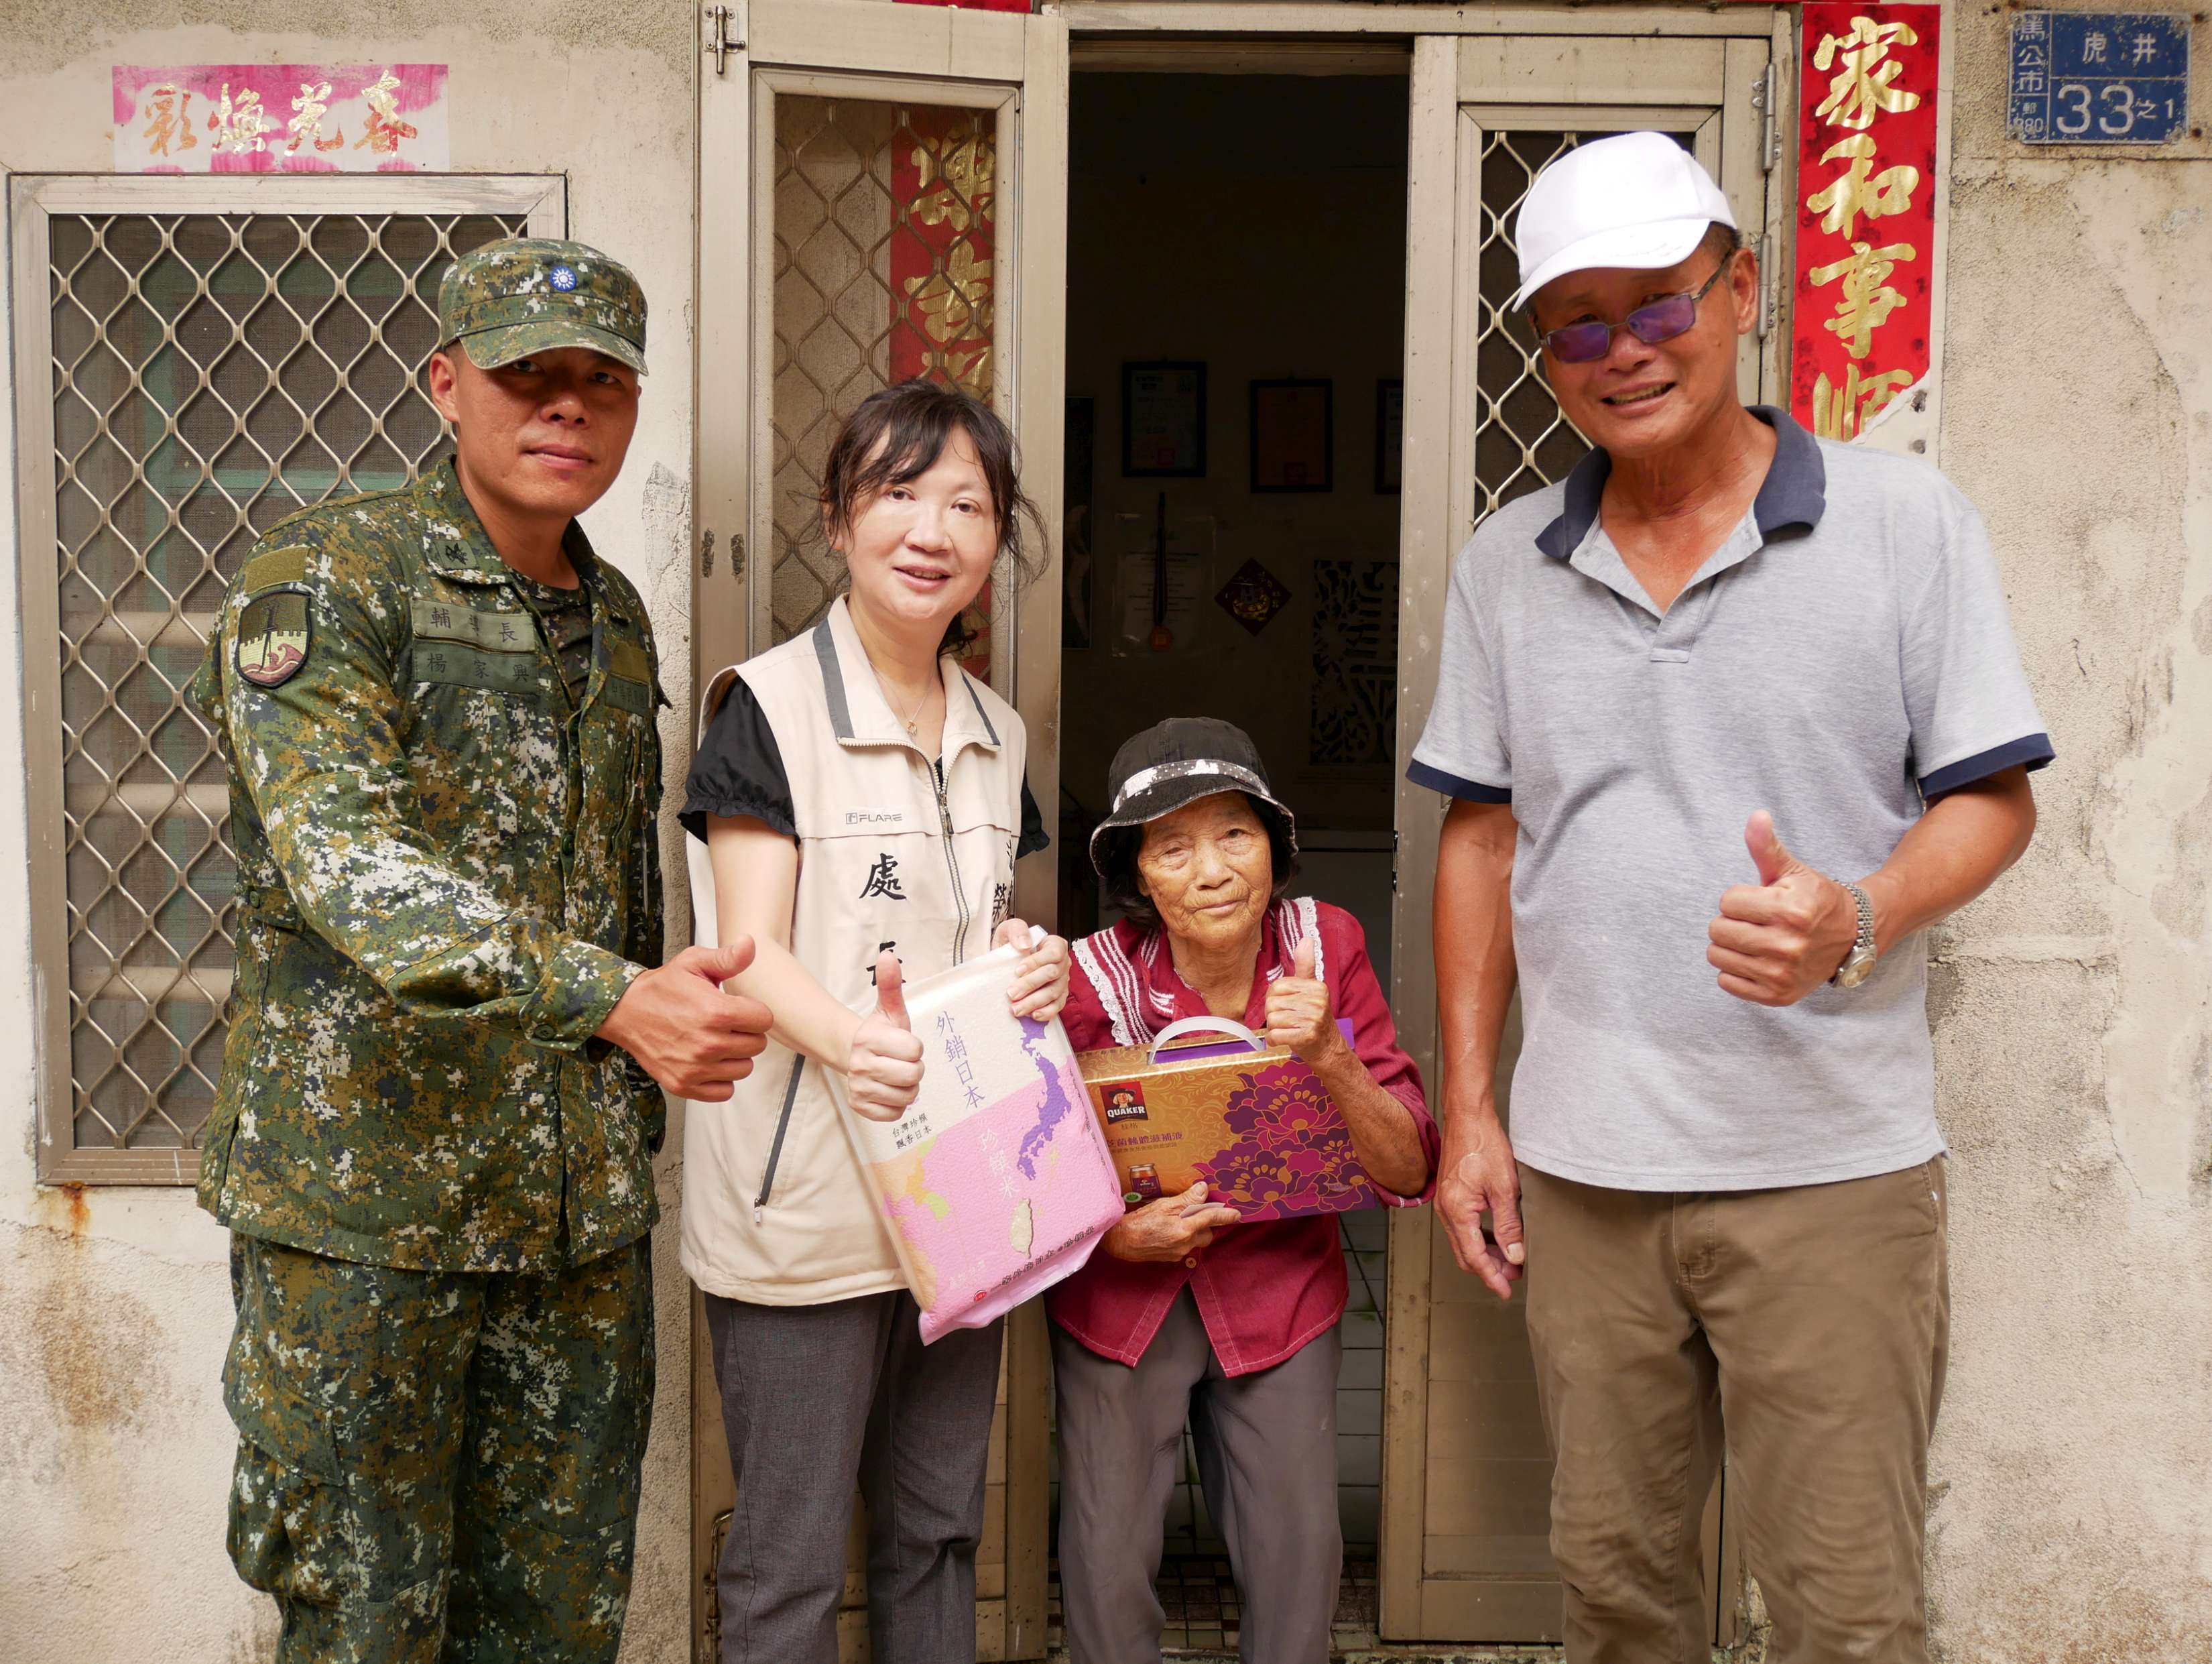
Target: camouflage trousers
x,y
439,1466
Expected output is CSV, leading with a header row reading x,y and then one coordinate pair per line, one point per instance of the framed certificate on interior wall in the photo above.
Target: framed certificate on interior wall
x,y
1291,437
1163,420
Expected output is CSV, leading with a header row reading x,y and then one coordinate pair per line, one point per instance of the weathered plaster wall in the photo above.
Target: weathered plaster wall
x,y
114,1304
2072,1523
2073,1471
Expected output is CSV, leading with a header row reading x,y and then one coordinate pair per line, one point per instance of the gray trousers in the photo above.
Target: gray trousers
x,y
1267,1456
813,1398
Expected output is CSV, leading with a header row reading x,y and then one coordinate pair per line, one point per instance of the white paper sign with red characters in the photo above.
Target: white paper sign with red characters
x,y
280,119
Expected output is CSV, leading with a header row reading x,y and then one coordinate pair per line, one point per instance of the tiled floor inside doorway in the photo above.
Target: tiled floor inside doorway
x,y
1204,1617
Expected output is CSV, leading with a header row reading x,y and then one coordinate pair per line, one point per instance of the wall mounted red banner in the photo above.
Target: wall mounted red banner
x,y
1866,212
945,196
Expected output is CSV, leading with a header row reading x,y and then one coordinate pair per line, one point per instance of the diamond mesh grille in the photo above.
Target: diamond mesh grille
x,y
212,374
882,220
1522,441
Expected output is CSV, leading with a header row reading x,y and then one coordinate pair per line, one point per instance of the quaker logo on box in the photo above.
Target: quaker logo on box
x,y
1125,1101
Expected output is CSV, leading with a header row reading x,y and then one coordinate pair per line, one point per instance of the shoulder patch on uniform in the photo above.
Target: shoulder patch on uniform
x,y
274,566
273,636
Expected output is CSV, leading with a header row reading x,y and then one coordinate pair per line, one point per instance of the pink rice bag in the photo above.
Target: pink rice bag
x,y
995,1183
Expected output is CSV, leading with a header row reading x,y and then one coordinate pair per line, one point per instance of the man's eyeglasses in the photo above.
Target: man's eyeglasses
x,y
1662,320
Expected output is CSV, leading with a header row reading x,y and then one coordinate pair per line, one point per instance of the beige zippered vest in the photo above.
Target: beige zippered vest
x,y
775,1209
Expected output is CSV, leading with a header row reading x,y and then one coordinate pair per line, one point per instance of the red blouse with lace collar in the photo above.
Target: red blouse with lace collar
x,y
1266,1290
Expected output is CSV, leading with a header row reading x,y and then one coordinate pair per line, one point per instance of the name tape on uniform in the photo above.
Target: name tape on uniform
x,y
450,621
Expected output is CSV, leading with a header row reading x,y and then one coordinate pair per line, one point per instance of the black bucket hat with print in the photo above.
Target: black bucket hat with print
x,y
1177,762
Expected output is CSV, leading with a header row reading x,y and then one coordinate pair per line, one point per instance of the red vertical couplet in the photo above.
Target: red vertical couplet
x,y
943,204
1866,212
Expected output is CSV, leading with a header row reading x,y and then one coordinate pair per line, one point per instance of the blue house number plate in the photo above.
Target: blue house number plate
x,y
2099,77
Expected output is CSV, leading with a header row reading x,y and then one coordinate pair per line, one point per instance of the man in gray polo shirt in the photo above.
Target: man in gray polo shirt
x,y
1730,1194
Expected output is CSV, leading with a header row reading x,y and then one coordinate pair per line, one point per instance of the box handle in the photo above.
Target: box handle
x,y
1186,1026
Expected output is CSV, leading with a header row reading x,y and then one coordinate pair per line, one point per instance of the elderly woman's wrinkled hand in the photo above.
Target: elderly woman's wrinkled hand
x,y
1040,984
1302,1012
1171,1229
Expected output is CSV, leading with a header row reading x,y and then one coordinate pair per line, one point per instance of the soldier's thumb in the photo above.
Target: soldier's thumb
x,y
891,1001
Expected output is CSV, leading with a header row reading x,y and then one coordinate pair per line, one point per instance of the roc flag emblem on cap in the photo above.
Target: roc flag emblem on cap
x,y
525,295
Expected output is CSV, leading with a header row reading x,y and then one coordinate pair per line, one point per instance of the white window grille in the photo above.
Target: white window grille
x,y
1523,442
195,359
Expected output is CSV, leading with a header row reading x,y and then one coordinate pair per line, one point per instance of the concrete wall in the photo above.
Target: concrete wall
x,y
114,1304
2073,1518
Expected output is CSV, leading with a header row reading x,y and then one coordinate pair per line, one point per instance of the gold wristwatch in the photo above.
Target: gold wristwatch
x,y
1858,964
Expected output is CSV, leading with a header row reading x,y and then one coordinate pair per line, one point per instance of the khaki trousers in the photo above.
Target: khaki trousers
x,y
1812,1323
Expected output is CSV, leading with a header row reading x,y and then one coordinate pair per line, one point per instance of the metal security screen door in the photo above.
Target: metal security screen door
x,y
884,196
196,359
1466,1475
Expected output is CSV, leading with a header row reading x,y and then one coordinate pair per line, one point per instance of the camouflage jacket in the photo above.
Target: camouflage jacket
x,y
447,876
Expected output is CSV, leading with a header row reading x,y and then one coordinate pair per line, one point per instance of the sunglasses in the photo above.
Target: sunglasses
x,y
1662,321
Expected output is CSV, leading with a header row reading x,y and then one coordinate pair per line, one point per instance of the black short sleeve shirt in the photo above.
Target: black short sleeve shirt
x,y
738,771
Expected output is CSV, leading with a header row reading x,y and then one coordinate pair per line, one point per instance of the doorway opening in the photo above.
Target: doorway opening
x,y
1237,276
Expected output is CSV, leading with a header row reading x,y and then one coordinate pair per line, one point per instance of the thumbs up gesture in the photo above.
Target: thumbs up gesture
x,y
882,1068
694,1036
1301,1012
1776,941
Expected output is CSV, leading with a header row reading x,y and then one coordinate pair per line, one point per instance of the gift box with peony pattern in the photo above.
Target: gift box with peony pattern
x,y
1253,1121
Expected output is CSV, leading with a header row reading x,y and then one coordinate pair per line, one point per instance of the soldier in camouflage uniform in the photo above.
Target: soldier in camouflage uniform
x,y
442,1085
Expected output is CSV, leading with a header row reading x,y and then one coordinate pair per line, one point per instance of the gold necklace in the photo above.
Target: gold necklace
x,y
913,721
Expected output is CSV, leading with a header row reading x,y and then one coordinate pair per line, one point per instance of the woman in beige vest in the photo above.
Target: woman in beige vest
x,y
859,802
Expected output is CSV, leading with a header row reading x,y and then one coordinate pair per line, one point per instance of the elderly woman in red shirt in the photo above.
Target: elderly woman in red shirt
x,y
1184,1310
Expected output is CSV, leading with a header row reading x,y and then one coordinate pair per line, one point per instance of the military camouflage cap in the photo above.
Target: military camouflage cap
x,y
526,294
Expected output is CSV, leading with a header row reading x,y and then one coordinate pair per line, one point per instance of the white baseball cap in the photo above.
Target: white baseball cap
x,y
1636,200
